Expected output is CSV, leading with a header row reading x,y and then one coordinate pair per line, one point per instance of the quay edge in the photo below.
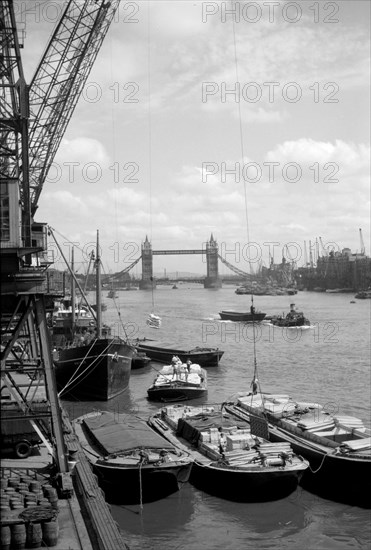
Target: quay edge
x,y
84,518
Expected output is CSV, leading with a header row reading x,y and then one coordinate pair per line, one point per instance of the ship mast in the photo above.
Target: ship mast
x,y
98,290
73,293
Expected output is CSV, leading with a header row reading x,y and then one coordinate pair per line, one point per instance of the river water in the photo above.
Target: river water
x,y
328,363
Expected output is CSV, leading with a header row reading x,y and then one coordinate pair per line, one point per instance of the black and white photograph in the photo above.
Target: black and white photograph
x,y
185,274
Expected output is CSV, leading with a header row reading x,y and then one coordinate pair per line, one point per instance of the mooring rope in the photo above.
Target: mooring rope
x,y
140,486
75,377
319,467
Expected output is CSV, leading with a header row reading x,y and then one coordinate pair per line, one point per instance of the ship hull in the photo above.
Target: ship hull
x,y
175,393
97,372
205,357
241,316
341,478
245,486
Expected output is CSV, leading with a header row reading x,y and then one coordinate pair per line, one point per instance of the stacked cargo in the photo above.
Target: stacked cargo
x,y
29,508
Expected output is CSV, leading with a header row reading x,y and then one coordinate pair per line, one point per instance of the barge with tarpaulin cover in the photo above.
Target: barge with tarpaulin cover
x,y
163,352
134,464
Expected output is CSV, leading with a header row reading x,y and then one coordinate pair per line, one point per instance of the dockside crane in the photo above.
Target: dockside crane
x,y
33,120
363,249
59,80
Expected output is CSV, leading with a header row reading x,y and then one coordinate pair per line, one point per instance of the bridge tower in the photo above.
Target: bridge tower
x,y
212,252
147,281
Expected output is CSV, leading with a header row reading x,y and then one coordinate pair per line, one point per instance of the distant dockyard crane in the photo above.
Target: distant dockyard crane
x,y
33,120
324,250
363,249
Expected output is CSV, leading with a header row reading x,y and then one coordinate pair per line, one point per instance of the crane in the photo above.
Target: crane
x,y
59,80
324,250
33,120
363,250
14,130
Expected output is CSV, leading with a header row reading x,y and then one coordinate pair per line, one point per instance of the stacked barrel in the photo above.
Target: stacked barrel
x,y
29,510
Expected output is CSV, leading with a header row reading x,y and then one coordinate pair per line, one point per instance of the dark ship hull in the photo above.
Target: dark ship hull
x,y
94,372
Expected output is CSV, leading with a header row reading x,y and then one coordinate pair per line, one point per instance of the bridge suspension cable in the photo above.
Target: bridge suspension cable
x,y
116,276
233,268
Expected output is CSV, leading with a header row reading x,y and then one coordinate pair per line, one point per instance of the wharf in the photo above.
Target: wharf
x,y
84,518
85,521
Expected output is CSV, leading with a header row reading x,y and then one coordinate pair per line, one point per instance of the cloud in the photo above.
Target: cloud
x,y
338,160
82,149
181,207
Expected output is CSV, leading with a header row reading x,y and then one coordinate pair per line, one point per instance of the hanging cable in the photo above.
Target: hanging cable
x,y
255,384
117,306
153,321
140,484
241,132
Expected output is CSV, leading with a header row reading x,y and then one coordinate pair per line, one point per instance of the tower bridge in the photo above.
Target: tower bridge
x,y
211,251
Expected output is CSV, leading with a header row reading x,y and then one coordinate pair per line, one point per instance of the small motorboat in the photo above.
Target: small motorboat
x,y
134,464
178,382
140,360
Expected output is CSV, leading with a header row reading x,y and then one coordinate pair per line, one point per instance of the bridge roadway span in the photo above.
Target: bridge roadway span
x,y
168,252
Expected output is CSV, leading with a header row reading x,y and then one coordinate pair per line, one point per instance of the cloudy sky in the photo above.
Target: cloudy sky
x,y
252,126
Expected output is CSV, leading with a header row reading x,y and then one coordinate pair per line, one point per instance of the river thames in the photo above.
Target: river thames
x,y
328,363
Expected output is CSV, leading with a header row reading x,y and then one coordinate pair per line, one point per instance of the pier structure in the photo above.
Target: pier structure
x,y
211,251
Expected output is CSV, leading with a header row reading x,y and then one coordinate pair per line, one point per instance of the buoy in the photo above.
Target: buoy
x,y
50,530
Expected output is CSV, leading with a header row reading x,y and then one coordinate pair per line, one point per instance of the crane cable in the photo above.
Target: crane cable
x,y
241,134
255,381
153,320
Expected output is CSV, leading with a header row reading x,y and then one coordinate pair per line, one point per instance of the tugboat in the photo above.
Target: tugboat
x,y
294,318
